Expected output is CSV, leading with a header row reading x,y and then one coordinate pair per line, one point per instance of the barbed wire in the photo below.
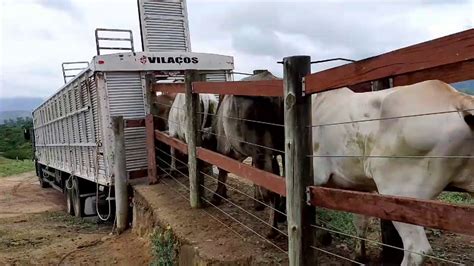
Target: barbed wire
x,y
225,213
247,120
227,185
247,212
168,154
176,169
208,213
171,106
389,118
244,225
172,121
335,255
246,142
245,194
253,215
339,231
380,243
395,156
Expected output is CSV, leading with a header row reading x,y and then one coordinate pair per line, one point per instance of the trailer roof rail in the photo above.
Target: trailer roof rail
x,y
121,39
76,66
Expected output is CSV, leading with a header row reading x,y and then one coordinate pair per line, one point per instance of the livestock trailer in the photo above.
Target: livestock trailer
x,y
73,138
73,134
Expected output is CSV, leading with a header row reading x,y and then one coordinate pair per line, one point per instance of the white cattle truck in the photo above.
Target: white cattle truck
x,y
73,137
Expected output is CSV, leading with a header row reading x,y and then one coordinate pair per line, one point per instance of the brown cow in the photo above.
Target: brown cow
x,y
234,138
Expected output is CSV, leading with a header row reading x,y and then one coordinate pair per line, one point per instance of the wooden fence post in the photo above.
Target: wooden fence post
x,y
298,169
120,174
151,108
194,139
150,147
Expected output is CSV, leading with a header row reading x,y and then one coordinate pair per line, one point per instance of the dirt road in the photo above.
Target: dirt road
x,y
34,229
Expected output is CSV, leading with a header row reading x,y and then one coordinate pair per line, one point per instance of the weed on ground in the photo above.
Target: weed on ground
x,y
164,247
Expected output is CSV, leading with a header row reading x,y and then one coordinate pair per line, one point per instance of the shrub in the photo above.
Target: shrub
x,y
164,246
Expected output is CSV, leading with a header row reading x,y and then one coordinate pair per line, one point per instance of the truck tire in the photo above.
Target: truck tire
x,y
77,201
43,184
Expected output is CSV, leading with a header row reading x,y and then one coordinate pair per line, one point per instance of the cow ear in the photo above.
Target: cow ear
x,y
469,118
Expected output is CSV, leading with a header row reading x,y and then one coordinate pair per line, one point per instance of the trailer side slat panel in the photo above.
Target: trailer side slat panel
x,y
126,98
64,130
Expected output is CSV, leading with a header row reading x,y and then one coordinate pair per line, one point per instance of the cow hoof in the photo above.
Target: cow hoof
x,y
258,206
324,238
362,259
280,218
216,200
272,234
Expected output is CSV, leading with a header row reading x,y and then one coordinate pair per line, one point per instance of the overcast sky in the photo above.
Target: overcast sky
x,y
38,35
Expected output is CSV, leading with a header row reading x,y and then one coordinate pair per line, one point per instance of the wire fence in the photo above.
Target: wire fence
x,y
228,137
241,222
390,118
325,225
320,152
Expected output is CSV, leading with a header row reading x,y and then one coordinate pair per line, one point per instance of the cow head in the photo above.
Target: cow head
x,y
209,140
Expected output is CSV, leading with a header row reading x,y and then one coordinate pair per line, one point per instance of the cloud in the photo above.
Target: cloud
x,y
38,35
66,6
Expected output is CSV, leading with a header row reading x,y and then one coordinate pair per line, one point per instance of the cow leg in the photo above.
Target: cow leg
x,y
173,160
414,239
258,199
257,194
273,217
280,201
221,191
361,224
390,237
413,236
265,162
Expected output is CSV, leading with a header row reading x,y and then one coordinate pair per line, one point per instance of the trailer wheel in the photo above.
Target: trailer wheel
x,y
77,201
43,184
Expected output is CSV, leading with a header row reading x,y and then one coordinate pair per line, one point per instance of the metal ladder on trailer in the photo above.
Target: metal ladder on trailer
x,y
164,27
99,38
76,66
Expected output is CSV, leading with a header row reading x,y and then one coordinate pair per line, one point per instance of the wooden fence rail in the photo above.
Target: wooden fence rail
x,y
435,56
430,213
450,59
259,177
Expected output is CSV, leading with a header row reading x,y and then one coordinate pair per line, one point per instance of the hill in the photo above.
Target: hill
x,y
13,115
19,103
465,86
12,108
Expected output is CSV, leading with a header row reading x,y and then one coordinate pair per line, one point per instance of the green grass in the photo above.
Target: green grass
x,y
341,221
164,247
456,198
10,167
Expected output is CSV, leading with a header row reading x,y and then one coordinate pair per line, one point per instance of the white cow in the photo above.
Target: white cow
x,y
446,134
177,119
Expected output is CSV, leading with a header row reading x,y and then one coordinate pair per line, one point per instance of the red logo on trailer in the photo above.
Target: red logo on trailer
x,y
143,60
